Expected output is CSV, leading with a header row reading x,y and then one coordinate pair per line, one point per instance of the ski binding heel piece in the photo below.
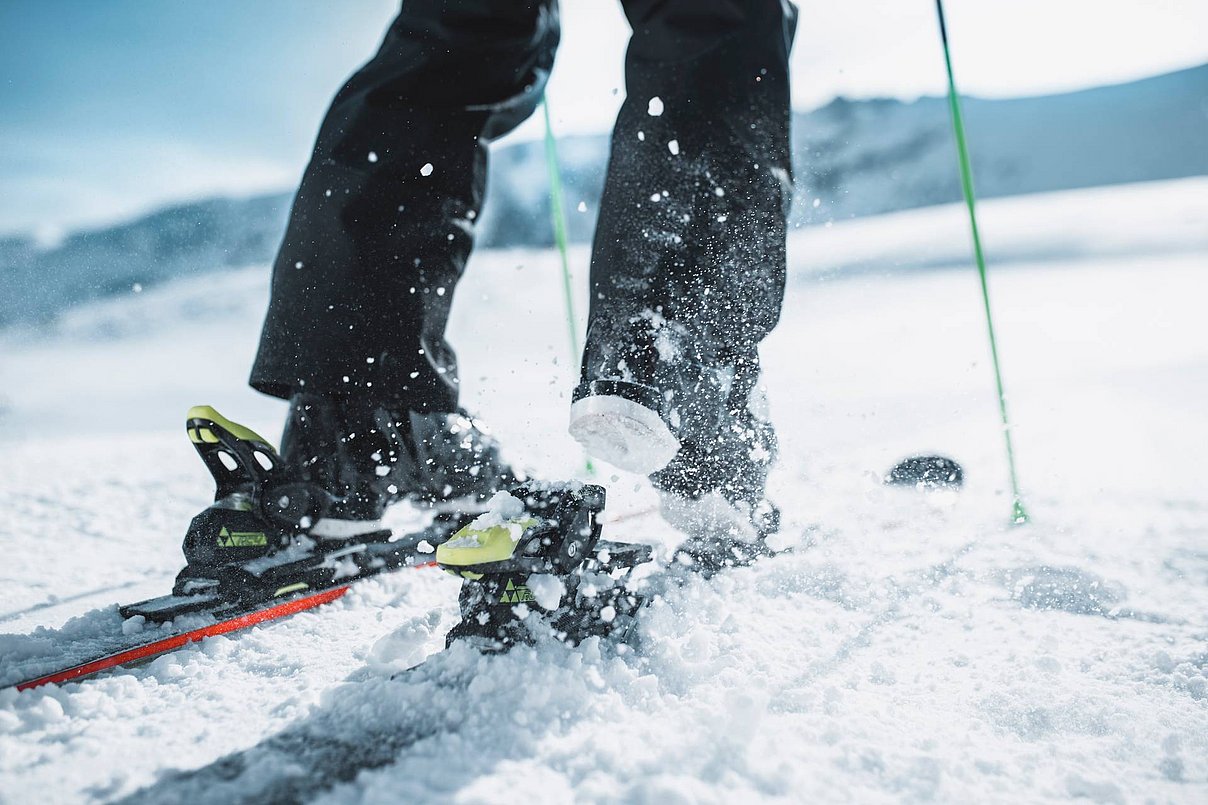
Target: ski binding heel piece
x,y
259,509
244,463
534,562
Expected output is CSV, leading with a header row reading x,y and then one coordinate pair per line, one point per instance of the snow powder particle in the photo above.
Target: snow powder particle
x,y
673,147
655,107
373,156
817,203
426,170
642,136
582,206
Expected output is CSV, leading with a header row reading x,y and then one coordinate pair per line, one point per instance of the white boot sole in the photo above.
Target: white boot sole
x,y
623,433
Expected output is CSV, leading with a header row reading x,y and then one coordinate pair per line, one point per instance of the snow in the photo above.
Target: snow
x,y
547,590
909,648
502,507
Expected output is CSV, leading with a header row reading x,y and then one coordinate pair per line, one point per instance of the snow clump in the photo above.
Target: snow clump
x,y
547,590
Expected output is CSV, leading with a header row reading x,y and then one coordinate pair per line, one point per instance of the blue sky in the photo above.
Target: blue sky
x,y
109,108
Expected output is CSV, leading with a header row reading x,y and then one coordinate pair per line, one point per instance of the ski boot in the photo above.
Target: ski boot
x,y
369,454
534,563
710,471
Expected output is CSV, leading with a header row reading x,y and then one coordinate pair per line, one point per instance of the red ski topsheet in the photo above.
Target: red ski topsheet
x,y
149,650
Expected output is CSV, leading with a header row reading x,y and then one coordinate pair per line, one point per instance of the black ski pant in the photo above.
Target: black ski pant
x,y
688,262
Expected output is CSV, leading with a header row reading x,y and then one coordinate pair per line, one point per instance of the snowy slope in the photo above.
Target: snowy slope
x,y
908,650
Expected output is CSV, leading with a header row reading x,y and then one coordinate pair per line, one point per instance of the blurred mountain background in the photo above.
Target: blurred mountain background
x,y
852,158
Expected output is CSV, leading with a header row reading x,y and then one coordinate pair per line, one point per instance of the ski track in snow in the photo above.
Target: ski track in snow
x,y
908,649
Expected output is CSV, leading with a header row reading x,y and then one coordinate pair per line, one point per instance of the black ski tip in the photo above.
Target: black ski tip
x,y
927,472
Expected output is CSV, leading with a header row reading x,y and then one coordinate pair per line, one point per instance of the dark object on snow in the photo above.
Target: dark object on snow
x,y
928,472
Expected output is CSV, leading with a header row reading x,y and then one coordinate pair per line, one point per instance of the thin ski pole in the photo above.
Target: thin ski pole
x,y
558,216
1018,514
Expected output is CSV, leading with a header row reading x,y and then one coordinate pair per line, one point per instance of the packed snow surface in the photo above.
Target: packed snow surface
x,y
908,648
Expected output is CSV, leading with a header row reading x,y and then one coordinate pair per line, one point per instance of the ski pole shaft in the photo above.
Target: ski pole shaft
x,y
1018,514
558,217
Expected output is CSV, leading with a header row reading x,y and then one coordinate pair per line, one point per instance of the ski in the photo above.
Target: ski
x,y
149,651
227,618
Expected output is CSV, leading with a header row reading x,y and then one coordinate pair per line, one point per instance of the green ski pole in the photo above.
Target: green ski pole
x,y
558,216
1018,514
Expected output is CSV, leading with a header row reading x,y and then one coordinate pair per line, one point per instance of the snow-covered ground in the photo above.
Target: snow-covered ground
x,y
909,649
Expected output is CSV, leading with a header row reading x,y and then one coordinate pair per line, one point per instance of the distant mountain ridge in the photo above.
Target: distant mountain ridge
x,y
851,158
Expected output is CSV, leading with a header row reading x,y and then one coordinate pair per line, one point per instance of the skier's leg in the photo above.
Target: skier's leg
x,y
378,236
384,218
688,263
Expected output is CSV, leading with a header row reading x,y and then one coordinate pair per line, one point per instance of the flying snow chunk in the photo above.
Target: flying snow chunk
x,y
655,107
373,156
426,170
673,147
547,590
